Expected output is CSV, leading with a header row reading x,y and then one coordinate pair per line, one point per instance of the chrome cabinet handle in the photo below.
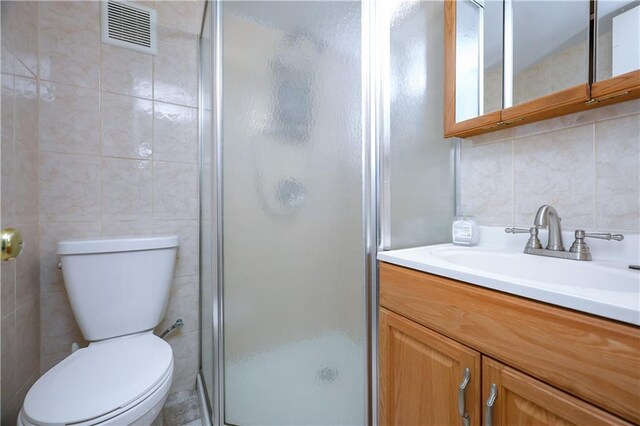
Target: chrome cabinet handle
x,y
462,403
493,394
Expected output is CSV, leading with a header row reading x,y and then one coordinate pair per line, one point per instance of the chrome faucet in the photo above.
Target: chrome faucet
x,y
547,217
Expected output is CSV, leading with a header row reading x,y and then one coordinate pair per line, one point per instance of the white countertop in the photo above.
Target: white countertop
x,y
604,286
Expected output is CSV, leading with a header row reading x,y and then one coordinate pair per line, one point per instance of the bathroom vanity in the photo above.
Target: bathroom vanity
x,y
454,352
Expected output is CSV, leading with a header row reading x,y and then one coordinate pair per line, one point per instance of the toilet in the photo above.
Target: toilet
x,y
118,289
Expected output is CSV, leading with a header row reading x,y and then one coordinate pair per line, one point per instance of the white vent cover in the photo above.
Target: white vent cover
x,y
130,26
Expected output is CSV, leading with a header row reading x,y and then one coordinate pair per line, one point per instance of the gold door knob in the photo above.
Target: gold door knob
x,y
11,240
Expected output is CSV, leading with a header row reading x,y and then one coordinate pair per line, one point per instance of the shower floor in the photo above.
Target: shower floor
x,y
318,381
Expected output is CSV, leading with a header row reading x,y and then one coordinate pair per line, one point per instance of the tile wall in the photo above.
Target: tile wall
x,y
118,156
111,149
587,165
19,296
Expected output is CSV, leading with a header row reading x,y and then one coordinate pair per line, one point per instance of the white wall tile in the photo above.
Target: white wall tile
x,y
121,228
7,288
175,191
8,182
127,189
185,356
486,182
69,119
27,340
180,15
58,329
26,113
127,72
69,187
7,60
175,78
8,359
557,169
184,303
7,106
26,186
27,266
127,126
20,34
69,42
187,231
175,133
618,173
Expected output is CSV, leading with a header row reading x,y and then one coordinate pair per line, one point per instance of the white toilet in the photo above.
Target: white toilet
x,y
118,289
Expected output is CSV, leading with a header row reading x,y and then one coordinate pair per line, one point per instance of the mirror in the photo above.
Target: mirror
x,y
550,47
618,38
513,62
478,58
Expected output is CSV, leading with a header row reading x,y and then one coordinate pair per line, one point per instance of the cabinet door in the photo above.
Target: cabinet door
x,y
420,376
522,400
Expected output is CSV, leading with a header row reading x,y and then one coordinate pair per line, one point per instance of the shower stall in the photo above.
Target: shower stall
x,y
291,191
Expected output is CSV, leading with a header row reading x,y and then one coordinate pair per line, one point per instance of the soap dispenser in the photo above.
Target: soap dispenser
x,y
464,230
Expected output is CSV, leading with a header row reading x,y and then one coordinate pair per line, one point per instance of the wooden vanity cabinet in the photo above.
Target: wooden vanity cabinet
x,y
550,365
523,400
420,371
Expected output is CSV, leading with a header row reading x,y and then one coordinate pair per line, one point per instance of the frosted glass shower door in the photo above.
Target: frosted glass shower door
x,y
293,266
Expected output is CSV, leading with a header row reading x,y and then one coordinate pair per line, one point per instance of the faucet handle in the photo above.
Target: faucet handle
x,y
600,235
517,231
580,246
534,241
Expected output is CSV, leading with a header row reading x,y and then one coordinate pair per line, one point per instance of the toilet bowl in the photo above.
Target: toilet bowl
x,y
118,289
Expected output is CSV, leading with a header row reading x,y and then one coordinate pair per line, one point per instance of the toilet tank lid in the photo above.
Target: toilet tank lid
x,y
117,244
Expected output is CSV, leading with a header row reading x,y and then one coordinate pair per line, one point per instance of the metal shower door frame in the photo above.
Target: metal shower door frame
x,y
375,159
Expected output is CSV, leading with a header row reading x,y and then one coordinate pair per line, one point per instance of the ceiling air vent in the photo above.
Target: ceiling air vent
x,y
129,26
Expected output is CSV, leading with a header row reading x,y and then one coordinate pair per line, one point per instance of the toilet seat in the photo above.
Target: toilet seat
x,y
104,381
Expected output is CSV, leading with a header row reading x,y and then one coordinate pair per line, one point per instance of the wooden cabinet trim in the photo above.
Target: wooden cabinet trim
x,y
595,359
535,398
565,102
626,85
472,126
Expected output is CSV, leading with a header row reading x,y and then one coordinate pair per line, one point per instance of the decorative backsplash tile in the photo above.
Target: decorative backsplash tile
x,y
584,164
618,173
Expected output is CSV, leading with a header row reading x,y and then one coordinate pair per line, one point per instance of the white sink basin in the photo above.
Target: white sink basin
x,y
606,288
572,276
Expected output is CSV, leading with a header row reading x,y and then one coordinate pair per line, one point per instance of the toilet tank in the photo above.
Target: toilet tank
x,y
118,286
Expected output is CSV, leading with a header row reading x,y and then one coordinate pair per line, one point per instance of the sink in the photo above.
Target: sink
x,y
606,288
571,276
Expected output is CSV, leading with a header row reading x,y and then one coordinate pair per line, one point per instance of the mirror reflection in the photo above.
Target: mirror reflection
x,y
618,42
478,58
550,47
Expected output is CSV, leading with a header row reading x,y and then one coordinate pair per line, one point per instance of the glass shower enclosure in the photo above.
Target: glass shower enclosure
x,y
287,214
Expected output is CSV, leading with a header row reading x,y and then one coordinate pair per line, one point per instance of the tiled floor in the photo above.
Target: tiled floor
x,y
181,409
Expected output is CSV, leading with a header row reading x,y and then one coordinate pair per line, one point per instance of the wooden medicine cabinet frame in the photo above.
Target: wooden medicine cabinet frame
x,y
590,94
